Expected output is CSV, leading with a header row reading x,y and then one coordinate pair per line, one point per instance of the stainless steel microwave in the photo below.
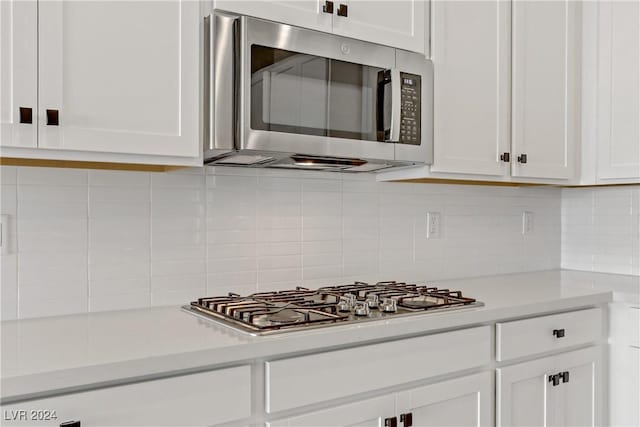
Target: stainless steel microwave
x,y
287,97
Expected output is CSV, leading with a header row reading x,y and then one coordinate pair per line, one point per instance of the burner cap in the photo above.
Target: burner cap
x,y
418,302
285,316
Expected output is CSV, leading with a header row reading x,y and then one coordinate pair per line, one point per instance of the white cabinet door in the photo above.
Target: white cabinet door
x,y
545,96
523,395
527,396
471,54
367,413
577,401
122,76
624,384
301,13
398,23
18,72
618,137
462,402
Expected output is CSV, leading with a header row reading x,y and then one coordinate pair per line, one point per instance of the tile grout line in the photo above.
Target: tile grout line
x,y
88,302
150,246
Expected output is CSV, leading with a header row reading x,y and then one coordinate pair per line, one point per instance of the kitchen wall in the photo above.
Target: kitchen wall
x,y
90,240
601,229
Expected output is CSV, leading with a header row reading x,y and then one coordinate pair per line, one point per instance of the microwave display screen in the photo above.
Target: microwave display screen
x,y
311,95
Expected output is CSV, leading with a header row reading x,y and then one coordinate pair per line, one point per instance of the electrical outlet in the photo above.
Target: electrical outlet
x,y
433,225
527,222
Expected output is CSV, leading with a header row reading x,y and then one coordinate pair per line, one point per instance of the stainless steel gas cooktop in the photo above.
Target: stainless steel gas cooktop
x,y
301,308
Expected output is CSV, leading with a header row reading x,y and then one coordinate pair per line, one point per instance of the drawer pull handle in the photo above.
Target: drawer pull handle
x,y
53,118
406,419
558,333
328,7
343,10
560,376
391,422
26,115
70,424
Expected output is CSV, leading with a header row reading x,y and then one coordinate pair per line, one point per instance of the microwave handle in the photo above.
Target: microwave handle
x,y
396,106
388,106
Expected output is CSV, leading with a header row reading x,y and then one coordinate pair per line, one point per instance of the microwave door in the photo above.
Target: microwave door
x,y
310,93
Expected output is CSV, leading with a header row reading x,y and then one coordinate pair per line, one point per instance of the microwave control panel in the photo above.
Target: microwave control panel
x,y
410,111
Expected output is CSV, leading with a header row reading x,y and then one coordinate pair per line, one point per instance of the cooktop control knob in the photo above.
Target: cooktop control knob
x,y
389,305
343,305
372,301
361,309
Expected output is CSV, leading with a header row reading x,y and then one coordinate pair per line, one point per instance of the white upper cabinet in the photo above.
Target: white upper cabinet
x,y
545,98
398,23
119,76
18,73
470,50
301,13
618,134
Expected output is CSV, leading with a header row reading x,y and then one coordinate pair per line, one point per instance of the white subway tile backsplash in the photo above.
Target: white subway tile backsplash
x,y
109,178
600,230
47,201
52,177
9,286
120,301
109,240
8,175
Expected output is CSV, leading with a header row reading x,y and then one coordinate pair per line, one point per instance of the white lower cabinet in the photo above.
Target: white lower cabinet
x,y
370,412
562,390
201,399
466,401
624,365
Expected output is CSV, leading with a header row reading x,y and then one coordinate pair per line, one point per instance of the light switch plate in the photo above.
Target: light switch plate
x,y
527,222
434,225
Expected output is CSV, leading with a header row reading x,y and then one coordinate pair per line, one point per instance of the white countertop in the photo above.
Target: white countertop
x,y
66,352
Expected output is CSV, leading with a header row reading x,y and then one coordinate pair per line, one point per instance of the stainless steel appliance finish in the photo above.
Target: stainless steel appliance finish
x,y
283,96
301,308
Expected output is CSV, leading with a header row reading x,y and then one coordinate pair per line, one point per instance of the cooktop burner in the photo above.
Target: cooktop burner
x,y
296,309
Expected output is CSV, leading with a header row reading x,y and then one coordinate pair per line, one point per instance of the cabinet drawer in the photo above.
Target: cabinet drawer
x,y
197,399
530,336
305,380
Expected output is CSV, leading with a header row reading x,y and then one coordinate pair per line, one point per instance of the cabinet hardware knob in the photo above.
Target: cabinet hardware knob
x,y
53,118
505,157
558,333
522,158
406,419
70,424
26,115
565,377
555,379
391,422
328,7
342,10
